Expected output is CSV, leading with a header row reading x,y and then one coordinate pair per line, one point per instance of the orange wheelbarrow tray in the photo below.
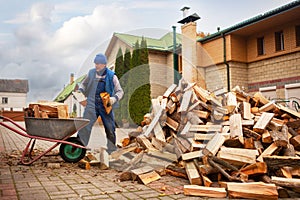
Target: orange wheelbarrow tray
x,y
54,130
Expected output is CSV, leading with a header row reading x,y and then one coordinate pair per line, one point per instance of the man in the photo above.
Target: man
x,y
98,81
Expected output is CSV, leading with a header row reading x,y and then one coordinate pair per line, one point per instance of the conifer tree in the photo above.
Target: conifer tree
x,y
119,71
140,100
124,82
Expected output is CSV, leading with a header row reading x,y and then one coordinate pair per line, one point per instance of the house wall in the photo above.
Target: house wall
x,y
16,101
161,72
269,36
247,69
113,54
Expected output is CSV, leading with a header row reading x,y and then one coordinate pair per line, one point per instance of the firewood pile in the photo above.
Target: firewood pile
x,y
47,109
227,144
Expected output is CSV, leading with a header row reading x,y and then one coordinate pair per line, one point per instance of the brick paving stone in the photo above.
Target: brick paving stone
x,y
118,196
131,195
147,193
104,196
94,191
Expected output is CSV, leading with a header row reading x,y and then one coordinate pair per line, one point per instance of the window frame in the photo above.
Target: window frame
x,y
4,100
279,41
297,35
260,46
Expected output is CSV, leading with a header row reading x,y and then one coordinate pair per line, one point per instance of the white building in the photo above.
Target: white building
x,y
13,94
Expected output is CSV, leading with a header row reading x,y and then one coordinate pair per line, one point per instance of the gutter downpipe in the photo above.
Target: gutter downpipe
x,y
175,57
225,62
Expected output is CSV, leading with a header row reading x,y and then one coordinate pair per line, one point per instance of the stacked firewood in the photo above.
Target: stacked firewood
x,y
227,144
46,109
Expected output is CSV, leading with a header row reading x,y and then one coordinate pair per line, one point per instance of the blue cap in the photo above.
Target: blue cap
x,y
100,59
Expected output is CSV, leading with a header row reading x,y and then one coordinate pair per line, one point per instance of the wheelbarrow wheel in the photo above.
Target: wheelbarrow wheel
x,y
70,153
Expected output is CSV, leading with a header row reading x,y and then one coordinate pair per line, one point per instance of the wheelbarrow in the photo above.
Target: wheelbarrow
x,y
54,130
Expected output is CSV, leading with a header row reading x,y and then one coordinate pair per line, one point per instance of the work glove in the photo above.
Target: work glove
x,y
112,100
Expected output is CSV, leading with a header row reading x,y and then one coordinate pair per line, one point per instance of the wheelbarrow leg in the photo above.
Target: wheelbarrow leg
x,y
31,160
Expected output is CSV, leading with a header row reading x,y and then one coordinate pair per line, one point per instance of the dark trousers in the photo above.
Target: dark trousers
x,y
108,122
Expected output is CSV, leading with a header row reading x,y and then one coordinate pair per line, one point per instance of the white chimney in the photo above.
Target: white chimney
x,y
185,11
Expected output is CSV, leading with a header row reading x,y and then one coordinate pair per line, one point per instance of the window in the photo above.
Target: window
x,y
279,41
260,46
269,92
297,36
4,100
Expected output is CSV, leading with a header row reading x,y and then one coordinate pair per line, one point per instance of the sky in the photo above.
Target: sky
x,y
45,41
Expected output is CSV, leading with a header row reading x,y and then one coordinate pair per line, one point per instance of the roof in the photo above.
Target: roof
x,y
252,20
165,43
14,85
65,93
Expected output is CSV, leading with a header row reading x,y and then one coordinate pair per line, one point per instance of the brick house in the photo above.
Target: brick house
x,y
258,54
160,57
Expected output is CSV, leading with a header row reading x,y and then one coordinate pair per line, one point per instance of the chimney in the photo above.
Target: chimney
x,y
71,78
185,11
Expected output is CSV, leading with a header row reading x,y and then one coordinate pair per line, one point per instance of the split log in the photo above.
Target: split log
x,y
121,151
144,142
158,144
258,145
206,181
207,170
185,101
257,168
295,141
280,138
159,133
149,177
256,190
249,143
202,191
236,127
266,137
267,152
289,150
214,144
289,111
138,171
191,155
286,182
167,156
172,123
133,162
192,173
262,122
193,118
153,122
249,133
169,90
201,114
201,93
238,156
246,110
275,162
267,107
176,171
209,136
206,128
261,98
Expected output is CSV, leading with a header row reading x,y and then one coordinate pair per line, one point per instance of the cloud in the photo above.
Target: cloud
x,y
86,31
46,56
